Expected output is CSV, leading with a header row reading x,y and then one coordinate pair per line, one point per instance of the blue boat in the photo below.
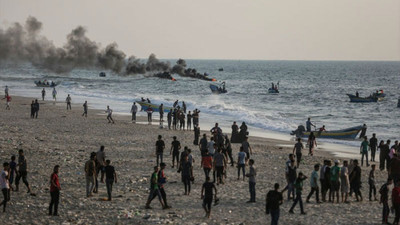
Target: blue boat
x,y
218,90
349,133
146,105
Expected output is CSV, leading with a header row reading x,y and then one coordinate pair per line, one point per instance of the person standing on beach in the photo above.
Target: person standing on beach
x,y
55,188
8,100
396,202
384,200
162,179
12,171
203,144
241,163
54,94
154,189
364,151
291,173
273,201
169,118
85,109
246,148
312,143
355,180
384,156
207,195
160,146
322,179
219,163
344,184
149,114
252,181
335,184
207,163
299,189
184,107
297,149
327,179
134,110
196,135
314,184
109,114
6,91
186,173
175,147
33,109
22,171
235,132
161,110
36,108
43,94
211,147
111,177
100,165
189,121
371,183
373,144
68,101
228,149
182,121
4,185
309,124
90,174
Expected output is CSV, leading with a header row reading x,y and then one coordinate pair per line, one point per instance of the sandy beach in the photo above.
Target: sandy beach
x,y
66,138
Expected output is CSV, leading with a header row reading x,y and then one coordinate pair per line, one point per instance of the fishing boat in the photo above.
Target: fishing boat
x,y
146,105
165,75
349,133
217,89
102,74
398,103
273,91
221,69
46,83
354,98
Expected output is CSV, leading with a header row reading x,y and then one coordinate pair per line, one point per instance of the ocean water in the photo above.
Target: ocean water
x,y
315,89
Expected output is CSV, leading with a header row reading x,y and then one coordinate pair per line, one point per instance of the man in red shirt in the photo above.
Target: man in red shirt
x,y
8,100
54,191
396,201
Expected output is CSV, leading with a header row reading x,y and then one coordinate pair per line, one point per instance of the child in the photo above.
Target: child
x,y
384,191
252,181
207,195
371,182
299,189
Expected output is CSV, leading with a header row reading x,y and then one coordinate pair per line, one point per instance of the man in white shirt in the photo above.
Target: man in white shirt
x,y
134,111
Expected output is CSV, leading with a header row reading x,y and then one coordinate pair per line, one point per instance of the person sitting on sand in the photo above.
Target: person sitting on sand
x,y
207,195
109,114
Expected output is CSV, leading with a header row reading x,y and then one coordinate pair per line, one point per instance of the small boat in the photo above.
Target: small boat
x,y
146,105
165,75
102,74
218,90
372,98
398,103
273,91
349,133
46,83
221,69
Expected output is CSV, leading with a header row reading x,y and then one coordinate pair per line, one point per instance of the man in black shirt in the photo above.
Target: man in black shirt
x,y
384,156
207,196
373,143
273,201
160,145
111,177
175,147
355,180
203,144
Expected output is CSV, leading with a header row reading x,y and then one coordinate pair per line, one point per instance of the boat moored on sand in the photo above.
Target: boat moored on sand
x,y
349,133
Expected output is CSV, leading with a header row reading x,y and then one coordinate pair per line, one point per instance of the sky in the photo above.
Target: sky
x,y
224,29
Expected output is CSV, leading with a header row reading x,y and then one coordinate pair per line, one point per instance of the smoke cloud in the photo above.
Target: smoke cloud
x,y
24,43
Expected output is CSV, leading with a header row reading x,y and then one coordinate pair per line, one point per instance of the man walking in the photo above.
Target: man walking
x,y
22,171
273,201
134,110
90,174
54,191
314,184
111,177
68,100
85,109
160,146
252,181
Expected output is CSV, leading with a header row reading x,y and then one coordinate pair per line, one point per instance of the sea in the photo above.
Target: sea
x,y
315,89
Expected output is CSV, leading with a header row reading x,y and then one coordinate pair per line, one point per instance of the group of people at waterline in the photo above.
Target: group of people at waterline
x,y
344,179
